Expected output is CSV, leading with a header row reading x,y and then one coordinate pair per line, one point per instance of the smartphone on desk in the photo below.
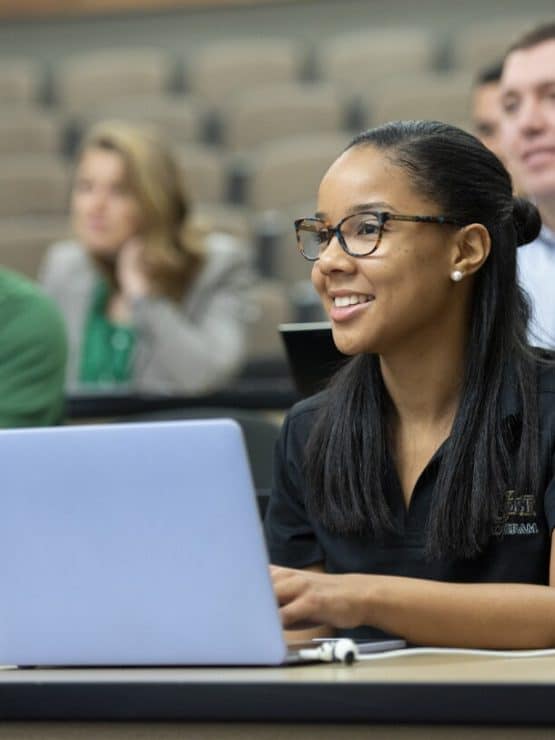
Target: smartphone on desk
x,y
365,647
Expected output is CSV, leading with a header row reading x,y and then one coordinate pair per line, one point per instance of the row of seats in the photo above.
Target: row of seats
x,y
255,124
280,174
219,70
251,118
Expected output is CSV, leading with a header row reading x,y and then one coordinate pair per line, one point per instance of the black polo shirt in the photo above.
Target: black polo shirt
x,y
518,550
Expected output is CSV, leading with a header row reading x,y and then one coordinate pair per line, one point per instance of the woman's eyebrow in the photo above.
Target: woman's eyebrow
x,y
360,207
370,206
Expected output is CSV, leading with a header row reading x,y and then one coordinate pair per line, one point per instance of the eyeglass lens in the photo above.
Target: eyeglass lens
x,y
360,232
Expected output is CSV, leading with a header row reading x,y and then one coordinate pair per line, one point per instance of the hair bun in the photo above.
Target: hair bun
x,y
527,221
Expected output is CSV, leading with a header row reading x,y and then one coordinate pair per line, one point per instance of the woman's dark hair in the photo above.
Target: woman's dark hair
x,y
347,452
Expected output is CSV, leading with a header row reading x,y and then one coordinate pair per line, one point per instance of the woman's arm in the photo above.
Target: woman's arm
x,y
478,615
194,350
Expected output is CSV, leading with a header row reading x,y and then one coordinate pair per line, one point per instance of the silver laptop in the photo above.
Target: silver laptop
x,y
133,544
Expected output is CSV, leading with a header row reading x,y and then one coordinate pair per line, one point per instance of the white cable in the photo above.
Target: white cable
x,y
458,651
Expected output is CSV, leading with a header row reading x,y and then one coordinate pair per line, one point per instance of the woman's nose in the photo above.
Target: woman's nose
x,y
334,258
97,200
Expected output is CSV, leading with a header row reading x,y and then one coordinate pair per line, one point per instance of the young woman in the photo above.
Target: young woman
x,y
148,303
416,495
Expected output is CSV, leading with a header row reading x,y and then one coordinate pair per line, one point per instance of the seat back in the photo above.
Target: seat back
x,y
91,78
220,70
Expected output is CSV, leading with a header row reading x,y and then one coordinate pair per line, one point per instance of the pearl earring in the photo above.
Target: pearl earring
x,y
457,276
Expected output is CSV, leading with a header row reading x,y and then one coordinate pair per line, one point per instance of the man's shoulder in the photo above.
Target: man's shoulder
x,y
539,252
18,292
27,311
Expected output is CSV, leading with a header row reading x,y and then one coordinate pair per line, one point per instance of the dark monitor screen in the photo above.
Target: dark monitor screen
x,y
312,355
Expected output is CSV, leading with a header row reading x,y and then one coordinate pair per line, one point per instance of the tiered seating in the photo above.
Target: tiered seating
x,y
264,114
92,79
443,97
356,61
486,42
20,80
220,70
255,123
27,129
180,118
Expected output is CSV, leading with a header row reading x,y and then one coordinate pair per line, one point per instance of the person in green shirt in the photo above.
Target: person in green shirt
x,y
33,355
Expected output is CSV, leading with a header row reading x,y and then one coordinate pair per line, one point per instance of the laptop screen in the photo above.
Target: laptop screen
x,y
312,355
133,544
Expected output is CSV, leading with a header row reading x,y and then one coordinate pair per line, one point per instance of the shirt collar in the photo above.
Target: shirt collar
x,y
547,236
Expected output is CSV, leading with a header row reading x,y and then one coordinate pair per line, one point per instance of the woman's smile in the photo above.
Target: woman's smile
x,y
346,306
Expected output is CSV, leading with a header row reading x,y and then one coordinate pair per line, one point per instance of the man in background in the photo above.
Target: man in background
x,y
528,141
32,355
486,107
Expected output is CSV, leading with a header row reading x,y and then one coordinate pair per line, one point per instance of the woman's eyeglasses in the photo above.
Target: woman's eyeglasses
x,y
359,234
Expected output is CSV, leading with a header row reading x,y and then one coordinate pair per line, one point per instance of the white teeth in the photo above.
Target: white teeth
x,y
342,301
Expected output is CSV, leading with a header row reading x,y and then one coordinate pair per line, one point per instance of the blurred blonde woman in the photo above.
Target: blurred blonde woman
x,y
149,303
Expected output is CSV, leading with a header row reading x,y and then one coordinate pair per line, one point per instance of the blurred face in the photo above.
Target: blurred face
x,y
528,118
400,293
105,213
486,116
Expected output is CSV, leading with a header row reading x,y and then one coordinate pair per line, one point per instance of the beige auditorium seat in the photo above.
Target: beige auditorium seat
x,y
226,218
92,78
481,44
26,129
33,185
271,308
276,111
178,118
20,80
204,171
359,59
288,171
24,241
438,97
220,70
274,235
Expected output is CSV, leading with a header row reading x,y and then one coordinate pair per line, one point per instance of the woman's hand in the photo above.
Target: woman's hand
x,y
307,598
131,275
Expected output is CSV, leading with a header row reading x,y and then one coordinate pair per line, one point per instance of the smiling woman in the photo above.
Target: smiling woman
x,y
416,495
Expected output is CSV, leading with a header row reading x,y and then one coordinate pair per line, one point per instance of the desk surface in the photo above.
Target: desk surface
x,y
414,689
273,394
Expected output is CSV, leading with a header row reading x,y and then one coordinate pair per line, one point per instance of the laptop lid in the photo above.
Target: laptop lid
x,y
133,544
312,355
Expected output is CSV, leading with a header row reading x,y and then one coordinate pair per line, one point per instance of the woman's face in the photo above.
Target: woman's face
x,y
105,213
404,289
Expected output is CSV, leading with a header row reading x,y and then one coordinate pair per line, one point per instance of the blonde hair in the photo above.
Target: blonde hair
x,y
174,249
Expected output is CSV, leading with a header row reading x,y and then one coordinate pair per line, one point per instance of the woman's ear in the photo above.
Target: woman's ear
x,y
471,249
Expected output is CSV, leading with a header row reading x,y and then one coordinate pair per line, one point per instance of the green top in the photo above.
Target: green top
x,y
107,349
33,354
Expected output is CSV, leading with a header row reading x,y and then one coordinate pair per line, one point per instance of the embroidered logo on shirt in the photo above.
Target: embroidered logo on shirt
x,y
518,516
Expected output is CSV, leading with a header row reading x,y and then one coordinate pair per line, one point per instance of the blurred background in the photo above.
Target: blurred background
x,y
257,98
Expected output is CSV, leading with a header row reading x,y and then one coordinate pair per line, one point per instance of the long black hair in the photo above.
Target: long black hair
x,y
347,451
